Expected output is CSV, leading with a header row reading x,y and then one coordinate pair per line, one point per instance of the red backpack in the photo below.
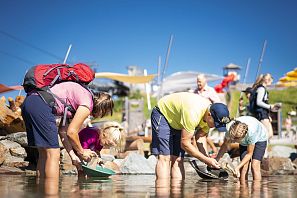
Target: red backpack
x,y
47,75
41,77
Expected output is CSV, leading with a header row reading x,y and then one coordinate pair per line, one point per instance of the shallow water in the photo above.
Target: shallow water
x,y
145,186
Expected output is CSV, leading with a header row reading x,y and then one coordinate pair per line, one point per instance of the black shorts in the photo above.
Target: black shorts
x,y
262,114
40,122
258,153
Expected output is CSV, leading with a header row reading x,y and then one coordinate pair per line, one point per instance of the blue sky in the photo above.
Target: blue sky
x,y
115,34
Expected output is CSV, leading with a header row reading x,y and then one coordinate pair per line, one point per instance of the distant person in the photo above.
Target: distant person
x,y
42,131
206,91
251,135
259,102
243,109
174,121
288,125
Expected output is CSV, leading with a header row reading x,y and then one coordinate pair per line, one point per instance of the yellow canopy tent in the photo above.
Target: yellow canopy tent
x,y
125,78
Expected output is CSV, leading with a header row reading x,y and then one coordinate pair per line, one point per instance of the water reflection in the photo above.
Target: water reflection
x,y
145,186
167,188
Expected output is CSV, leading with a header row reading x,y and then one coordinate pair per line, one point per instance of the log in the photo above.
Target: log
x,y
10,121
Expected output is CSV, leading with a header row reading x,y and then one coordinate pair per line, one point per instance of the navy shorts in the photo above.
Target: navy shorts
x,y
259,150
165,139
40,122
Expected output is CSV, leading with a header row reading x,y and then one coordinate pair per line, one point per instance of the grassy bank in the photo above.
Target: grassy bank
x,y
288,98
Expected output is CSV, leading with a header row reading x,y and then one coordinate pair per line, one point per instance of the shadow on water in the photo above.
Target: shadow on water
x,y
145,186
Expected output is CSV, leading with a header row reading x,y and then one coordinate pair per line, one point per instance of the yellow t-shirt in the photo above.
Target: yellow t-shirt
x,y
184,111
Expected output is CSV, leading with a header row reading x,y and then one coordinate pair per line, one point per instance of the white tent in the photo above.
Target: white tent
x,y
185,81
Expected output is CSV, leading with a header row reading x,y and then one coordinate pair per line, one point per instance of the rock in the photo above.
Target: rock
x,y
19,137
3,151
136,164
68,169
3,137
277,165
66,164
18,152
281,151
295,163
152,161
107,157
118,162
10,144
64,157
10,170
17,162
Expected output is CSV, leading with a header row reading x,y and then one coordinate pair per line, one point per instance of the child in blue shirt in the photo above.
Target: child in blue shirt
x,y
252,138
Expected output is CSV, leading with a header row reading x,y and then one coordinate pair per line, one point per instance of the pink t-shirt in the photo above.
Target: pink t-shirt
x,y
90,139
74,94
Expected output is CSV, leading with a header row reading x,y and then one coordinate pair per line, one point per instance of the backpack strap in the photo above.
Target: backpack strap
x,y
265,94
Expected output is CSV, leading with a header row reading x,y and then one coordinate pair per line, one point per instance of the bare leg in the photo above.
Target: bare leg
x,y
177,168
163,167
268,126
40,169
256,170
244,172
51,163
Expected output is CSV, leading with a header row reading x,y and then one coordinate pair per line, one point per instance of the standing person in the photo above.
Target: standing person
x,y
252,138
259,102
243,110
206,91
288,125
174,121
42,131
209,93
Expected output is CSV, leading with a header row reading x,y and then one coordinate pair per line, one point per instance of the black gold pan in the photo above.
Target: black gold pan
x,y
209,173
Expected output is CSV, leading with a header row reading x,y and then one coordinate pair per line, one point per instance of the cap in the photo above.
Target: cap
x,y
248,90
220,115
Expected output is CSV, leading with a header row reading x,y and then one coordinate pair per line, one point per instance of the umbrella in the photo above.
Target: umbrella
x,y
4,88
289,80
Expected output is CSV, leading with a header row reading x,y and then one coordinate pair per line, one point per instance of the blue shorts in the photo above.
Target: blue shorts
x,y
40,122
259,150
165,139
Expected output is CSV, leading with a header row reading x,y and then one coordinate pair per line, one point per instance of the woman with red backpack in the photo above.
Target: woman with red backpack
x,y
42,131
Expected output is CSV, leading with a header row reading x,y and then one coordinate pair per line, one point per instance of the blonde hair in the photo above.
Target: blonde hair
x,y
260,80
238,130
114,131
102,104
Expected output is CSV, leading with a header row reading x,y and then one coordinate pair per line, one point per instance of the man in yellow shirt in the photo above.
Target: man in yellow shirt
x,y
174,121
